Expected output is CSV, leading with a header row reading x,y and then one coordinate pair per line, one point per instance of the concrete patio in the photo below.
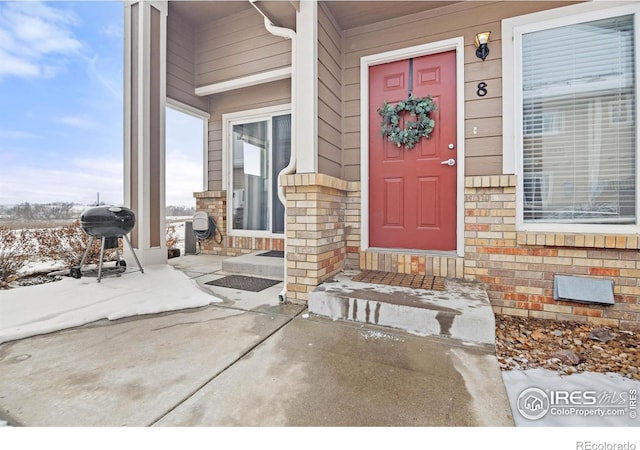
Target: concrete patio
x,y
248,361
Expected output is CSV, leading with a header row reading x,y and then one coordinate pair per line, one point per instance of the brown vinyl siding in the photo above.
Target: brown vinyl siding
x,y
238,46
180,62
329,96
270,94
484,148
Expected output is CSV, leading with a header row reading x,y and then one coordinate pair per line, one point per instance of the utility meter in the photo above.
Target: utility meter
x,y
200,221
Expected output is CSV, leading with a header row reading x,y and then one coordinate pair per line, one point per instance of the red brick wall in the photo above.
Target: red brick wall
x,y
319,230
517,268
215,204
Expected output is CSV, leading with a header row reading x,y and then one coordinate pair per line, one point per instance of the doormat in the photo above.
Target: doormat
x,y
273,254
401,279
244,283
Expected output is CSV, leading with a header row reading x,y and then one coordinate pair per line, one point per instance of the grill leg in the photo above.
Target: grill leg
x,y
118,256
126,238
101,257
86,252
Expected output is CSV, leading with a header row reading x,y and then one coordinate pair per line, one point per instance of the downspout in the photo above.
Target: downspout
x,y
286,33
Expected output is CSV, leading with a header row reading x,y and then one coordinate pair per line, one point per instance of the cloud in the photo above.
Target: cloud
x,y
16,134
34,37
184,177
97,70
104,166
75,121
78,182
114,30
81,179
11,65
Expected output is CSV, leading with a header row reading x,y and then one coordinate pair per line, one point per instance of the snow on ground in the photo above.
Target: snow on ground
x,y
41,266
584,399
33,310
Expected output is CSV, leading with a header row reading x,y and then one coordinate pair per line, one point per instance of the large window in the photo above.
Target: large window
x,y
259,148
576,121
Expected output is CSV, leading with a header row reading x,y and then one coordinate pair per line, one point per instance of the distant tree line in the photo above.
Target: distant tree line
x,y
44,211
172,210
64,211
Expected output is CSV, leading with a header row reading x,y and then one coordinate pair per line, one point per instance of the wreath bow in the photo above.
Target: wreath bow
x,y
417,107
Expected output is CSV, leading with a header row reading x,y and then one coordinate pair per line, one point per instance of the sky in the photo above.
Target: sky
x,y
61,113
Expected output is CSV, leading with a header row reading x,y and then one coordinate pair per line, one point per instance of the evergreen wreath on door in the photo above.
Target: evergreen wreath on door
x,y
414,130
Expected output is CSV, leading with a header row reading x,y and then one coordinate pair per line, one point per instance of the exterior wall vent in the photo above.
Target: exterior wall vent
x,y
582,289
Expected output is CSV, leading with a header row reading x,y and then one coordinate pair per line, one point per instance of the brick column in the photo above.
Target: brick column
x,y
213,203
317,232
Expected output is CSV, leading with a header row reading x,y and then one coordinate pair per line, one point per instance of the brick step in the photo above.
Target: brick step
x,y
462,311
252,264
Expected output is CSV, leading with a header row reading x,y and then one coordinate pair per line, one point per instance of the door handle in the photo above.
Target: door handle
x,y
449,162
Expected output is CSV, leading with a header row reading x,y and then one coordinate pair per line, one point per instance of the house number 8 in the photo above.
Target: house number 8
x,y
482,89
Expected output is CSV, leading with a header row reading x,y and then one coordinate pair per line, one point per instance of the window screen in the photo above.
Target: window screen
x,y
578,129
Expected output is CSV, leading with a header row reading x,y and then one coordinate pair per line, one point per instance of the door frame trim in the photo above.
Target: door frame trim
x,y
456,44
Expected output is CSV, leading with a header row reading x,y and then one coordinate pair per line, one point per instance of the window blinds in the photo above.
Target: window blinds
x,y
578,129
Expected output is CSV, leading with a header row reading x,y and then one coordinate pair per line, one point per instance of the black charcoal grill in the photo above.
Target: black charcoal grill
x,y
107,223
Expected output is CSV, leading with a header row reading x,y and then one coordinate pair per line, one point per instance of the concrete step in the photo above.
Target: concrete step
x,y
252,264
462,311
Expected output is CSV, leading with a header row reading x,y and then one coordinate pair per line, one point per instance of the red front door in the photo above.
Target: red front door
x,y
412,194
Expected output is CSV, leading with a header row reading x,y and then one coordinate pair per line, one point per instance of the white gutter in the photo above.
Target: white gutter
x,y
286,33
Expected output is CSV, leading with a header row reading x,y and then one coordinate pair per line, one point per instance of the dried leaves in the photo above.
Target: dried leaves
x,y
568,347
66,243
13,254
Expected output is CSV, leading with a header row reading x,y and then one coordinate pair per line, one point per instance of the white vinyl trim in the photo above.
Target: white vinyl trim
x,y
512,31
147,254
511,68
239,83
127,107
163,8
456,44
306,88
187,109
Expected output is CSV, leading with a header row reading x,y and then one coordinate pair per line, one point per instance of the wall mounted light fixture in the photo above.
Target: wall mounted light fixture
x,y
482,47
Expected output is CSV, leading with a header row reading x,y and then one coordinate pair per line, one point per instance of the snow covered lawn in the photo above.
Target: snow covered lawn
x,y
586,399
33,310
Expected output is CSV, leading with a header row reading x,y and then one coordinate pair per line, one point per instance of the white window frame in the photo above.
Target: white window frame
x,y
512,31
204,116
238,118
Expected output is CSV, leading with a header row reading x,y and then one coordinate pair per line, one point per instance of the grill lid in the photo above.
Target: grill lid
x,y
107,221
